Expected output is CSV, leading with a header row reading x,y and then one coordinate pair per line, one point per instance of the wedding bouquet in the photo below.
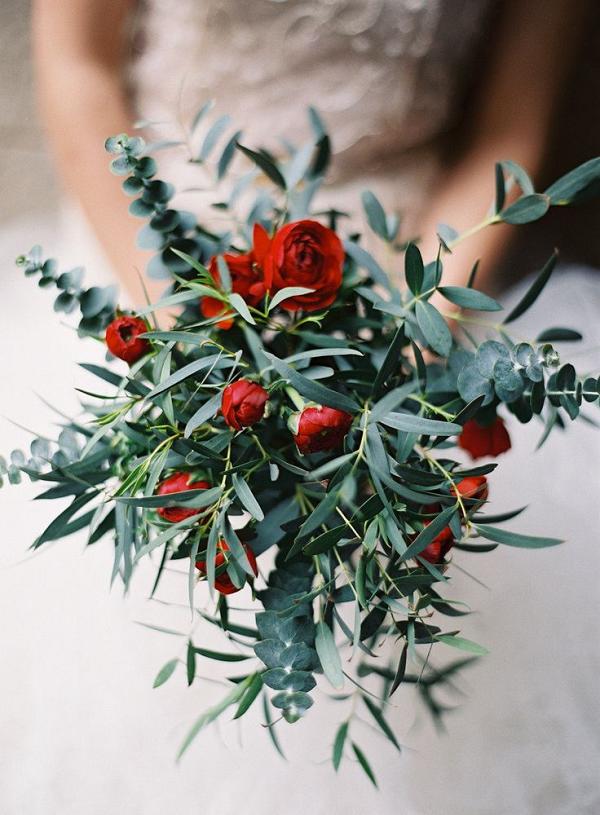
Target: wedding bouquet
x,y
289,438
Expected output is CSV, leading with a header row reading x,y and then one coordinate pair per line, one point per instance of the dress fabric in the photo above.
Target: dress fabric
x,y
388,77
82,732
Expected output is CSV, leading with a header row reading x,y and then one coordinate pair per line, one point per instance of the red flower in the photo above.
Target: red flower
x,y
484,440
435,551
305,253
223,583
247,277
322,428
243,403
179,482
473,486
212,307
122,338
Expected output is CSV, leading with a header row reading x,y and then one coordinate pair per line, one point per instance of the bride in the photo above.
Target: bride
x,y
394,80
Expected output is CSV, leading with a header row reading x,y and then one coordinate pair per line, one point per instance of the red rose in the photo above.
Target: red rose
x,y
123,341
243,403
247,277
473,486
179,482
435,551
305,253
322,428
223,583
484,440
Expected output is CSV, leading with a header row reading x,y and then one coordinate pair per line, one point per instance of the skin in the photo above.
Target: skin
x,y
534,44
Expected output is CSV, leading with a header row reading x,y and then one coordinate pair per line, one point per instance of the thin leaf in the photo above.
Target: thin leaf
x,y
434,328
165,673
462,644
329,655
534,290
338,745
244,493
509,538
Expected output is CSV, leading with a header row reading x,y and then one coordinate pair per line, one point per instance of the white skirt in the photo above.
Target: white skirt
x,y
82,732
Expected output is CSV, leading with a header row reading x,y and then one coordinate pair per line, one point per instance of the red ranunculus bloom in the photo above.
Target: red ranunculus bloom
x,y
484,440
473,486
435,551
322,428
247,277
123,341
305,253
223,583
179,482
243,403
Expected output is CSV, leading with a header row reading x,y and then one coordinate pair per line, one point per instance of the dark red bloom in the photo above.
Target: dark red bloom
x,y
472,486
247,277
223,583
484,440
322,428
123,340
179,482
435,551
243,403
306,253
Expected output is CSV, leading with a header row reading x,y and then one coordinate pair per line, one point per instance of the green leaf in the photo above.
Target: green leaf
x,y
520,176
410,423
221,656
203,414
265,164
244,493
434,328
400,670
212,137
469,298
570,185
254,688
413,268
288,291
313,391
390,362
362,760
189,498
559,335
338,745
329,655
429,532
191,662
534,290
462,644
509,538
165,673
500,188
526,209
213,713
184,373
366,261
239,304
375,214
380,719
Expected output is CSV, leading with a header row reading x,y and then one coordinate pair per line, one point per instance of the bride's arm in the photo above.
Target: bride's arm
x,y
533,49
78,48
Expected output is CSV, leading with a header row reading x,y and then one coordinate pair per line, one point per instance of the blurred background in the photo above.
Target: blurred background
x,y
21,138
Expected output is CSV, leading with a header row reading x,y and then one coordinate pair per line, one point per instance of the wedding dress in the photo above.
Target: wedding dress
x,y
83,732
